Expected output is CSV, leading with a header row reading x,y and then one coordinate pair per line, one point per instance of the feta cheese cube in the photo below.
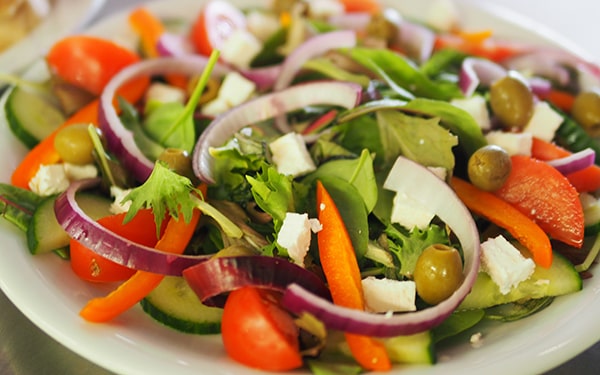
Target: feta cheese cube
x,y
80,172
512,143
477,108
291,156
240,48
440,172
295,235
118,206
262,24
544,122
384,295
504,263
234,91
410,213
162,93
49,179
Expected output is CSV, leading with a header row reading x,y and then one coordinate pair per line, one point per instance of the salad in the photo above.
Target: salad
x,y
319,158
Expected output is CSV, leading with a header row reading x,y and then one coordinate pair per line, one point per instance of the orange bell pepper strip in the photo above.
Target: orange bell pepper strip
x,y
44,152
584,181
149,28
341,270
174,240
503,214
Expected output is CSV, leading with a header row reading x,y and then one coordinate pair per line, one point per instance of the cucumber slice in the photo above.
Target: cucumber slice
x,y
174,304
591,214
44,234
30,117
561,278
413,349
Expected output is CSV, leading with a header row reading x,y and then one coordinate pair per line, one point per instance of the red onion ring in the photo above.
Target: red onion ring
x,y
263,77
174,45
120,140
422,185
104,242
212,280
574,162
220,130
313,47
475,71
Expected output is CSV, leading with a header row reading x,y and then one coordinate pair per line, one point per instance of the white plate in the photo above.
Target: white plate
x,y
47,292
65,16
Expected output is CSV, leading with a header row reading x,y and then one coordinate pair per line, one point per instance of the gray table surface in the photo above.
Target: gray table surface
x,y
26,350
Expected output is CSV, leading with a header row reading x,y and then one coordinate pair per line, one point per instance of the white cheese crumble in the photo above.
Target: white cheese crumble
x,y
295,235
476,106
262,24
512,143
291,156
234,90
504,263
410,213
443,15
544,122
118,206
56,178
388,295
240,48
325,8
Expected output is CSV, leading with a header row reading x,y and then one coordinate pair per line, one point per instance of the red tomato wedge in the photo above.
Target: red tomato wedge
x,y
216,22
88,62
543,194
92,267
258,333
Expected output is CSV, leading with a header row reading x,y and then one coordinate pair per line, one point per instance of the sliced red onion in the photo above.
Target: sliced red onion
x,y
120,140
313,47
475,71
417,40
104,242
574,162
263,77
427,189
344,94
174,45
212,280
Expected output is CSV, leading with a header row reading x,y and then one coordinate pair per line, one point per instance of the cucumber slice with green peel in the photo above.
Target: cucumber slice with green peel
x,y
174,304
561,278
45,234
591,214
412,349
30,117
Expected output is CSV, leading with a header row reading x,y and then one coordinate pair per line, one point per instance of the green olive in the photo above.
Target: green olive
x,y
178,161
489,167
512,101
74,144
586,111
438,273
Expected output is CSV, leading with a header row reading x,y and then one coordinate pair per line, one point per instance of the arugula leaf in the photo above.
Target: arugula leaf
x,y
164,192
406,246
419,139
273,193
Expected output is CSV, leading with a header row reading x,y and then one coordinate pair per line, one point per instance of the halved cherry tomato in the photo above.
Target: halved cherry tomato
x,y
216,22
543,194
88,62
93,267
258,333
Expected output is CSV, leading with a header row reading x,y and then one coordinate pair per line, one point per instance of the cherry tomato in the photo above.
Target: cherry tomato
x,y
215,23
93,267
88,62
258,332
